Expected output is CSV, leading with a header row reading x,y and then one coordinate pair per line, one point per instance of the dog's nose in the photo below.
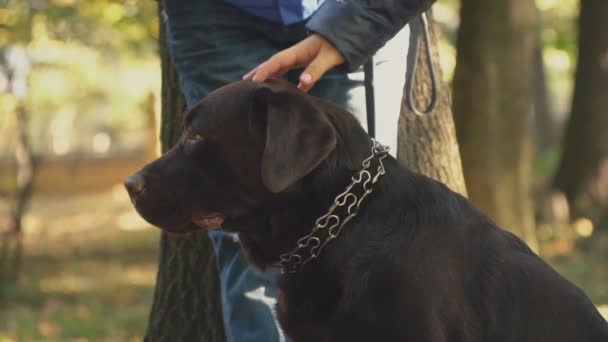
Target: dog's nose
x,y
135,184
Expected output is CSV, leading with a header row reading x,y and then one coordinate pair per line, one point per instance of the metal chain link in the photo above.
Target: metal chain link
x,y
310,246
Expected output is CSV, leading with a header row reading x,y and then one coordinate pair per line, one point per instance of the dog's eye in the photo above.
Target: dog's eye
x,y
193,137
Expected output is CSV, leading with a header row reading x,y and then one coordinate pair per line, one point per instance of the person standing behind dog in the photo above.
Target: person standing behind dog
x,y
216,42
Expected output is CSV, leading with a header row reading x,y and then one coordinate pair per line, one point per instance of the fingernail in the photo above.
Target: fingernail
x,y
306,78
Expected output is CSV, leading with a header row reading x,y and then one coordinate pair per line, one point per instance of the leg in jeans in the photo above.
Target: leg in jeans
x,y
213,44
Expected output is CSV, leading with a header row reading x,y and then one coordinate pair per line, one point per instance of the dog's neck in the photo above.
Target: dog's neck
x,y
292,214
344,208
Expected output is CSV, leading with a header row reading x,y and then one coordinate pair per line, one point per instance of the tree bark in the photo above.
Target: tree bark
x,y
492,107
187,305
427,144
583,171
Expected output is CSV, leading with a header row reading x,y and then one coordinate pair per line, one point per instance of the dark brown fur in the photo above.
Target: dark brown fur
x,y
419,263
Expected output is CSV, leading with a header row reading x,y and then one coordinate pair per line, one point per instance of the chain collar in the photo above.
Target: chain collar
x,y
328,226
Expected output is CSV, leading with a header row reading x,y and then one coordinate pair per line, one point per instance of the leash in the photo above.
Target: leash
x,y
410,80
370,101
412,59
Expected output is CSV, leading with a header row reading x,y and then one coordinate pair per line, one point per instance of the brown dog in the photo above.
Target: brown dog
x,y
371,251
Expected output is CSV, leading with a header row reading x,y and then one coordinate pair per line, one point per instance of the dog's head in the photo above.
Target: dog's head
x,y
241,145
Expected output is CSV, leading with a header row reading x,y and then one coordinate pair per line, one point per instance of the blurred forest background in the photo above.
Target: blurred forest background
x,y
79,110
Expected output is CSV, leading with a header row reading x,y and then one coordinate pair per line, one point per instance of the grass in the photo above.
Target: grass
x,y
583,260
88,272
90,265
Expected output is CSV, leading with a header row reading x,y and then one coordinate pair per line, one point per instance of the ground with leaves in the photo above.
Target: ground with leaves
x,y
88,272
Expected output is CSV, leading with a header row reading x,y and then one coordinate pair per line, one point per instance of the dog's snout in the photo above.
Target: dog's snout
x,y
135,184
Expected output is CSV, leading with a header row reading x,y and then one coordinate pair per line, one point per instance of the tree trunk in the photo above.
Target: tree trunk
x,y
11,249
583,170
544,120
187,305
11,241
427,144
492,107
25,170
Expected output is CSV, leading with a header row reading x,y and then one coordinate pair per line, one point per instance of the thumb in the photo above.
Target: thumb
x,y
313,72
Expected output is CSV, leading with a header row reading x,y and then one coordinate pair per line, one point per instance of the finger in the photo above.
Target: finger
x,y
314,72
296,56
277,65
267,69
261,78
248,76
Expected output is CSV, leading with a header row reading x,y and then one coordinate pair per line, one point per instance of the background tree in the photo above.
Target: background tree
x,y
187,304
15,63
492,106
583,171
427,144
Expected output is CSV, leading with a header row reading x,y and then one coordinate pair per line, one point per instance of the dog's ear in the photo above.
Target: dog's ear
x,y
299,136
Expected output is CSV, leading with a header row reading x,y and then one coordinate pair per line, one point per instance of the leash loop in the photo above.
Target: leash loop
x,y
411,78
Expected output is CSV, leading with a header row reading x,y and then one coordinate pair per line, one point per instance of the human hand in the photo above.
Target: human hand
x,y
315,53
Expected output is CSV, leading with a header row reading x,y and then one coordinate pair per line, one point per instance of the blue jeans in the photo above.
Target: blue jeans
x,y
212,44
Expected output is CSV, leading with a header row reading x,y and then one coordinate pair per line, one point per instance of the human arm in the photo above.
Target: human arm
x,y
344,33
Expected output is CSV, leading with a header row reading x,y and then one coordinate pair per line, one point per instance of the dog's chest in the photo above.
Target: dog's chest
x,y
308,314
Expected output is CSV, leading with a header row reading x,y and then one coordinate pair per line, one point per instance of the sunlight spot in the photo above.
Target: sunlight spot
x,y
446,15
604,310
544,5
8,102
32,224
558,59
131,221
101,142
39,28
145,276
447,59
4,19
556,207
61,129
66,284
583,227
64,2
49,329
113,12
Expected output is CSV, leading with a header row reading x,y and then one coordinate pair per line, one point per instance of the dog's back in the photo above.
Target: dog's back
x,y
424,265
